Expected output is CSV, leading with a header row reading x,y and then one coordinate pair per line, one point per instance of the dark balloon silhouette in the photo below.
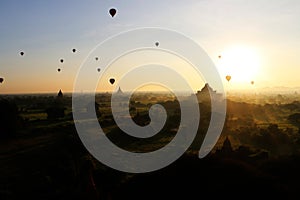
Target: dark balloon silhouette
x,y
73,50
22,53
157,44
58,69
112,12
112,81
98,69
1,80
228,78
96,58
252,82
219,56
61,60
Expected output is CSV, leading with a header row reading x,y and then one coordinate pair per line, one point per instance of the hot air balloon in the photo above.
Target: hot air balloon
x,y
1,80
73,50
58,69
252,82
96,58
112,81
228,78
22,53
98,69
219,56
157,44
61,60
112,12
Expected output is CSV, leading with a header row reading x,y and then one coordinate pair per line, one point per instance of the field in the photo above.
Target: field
x,y
42,157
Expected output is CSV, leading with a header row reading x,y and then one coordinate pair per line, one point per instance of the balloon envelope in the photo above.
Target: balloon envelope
x,y
61,60
1,80
228,78
74,50
156,44
58,69
96,58
112,12
98,69
252,82
22,53
112,81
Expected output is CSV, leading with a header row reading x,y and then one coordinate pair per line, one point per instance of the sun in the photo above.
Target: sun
x,y
241,63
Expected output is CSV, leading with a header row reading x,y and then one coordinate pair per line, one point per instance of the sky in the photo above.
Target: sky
x,y
255,40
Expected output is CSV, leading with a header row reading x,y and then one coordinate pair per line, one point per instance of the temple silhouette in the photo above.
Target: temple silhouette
x,y
60,94
207,93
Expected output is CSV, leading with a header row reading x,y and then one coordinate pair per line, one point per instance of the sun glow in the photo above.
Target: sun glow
x,y
242,63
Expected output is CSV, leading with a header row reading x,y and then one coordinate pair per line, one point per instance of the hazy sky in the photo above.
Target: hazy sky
x,y
262,34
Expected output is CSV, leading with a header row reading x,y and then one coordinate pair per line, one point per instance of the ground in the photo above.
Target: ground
x,y
45,159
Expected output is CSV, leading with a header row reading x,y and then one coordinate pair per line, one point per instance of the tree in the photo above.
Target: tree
x,y
295,120
8,118
55,112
